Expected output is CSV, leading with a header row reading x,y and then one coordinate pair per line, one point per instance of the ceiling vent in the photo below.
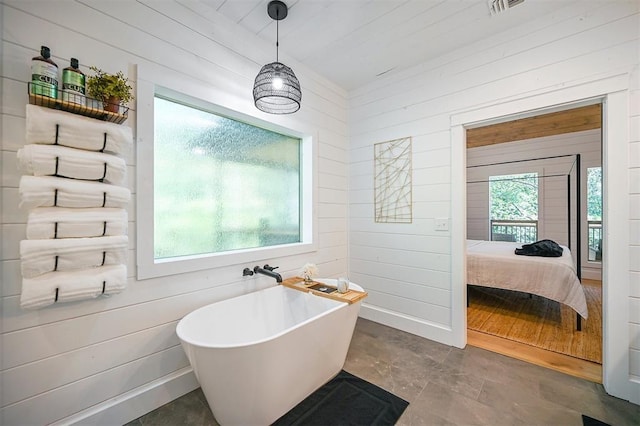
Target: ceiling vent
x,y
498,6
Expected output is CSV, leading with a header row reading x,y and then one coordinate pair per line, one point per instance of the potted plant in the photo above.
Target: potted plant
x,y
110,89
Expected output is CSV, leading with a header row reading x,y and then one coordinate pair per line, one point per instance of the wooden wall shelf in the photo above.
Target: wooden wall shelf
x,y
77,108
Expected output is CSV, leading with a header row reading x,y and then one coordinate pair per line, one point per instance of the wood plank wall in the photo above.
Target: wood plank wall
x,y
111,359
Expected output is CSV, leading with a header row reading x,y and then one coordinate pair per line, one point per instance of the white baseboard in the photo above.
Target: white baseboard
x,y
634,393
417,326
137,402
592,273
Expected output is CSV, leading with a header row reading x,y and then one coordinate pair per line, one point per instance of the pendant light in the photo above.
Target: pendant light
x,y
277,89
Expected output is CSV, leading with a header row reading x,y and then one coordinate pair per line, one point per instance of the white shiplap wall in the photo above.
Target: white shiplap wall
x,y
577,44
552,190
634,228
111,360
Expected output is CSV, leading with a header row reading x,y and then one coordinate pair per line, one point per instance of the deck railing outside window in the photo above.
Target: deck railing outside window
x,y
522,231
595,240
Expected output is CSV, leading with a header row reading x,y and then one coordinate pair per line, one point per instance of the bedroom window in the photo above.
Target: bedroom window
x,y
513,205
594,213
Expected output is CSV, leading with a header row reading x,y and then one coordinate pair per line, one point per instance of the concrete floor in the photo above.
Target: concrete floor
x,y
449,386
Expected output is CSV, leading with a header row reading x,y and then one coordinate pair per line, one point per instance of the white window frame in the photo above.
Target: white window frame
x,y
147,265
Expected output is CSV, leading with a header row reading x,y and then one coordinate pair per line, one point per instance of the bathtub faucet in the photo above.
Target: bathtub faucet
x,y
268,271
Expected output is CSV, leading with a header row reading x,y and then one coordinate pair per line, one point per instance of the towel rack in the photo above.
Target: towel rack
x,y
107,134
55,198
104,259
55,229
104,286
104,171
104,141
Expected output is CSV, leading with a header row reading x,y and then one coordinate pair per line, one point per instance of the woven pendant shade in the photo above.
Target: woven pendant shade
x,y
276,89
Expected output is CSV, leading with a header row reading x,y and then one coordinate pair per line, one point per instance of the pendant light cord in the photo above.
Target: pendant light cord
x,y
277,34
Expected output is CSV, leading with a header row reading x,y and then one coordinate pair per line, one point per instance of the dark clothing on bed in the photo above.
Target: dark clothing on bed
x,y
544,248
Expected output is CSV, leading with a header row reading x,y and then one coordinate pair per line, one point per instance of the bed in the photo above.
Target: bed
x,y
495,264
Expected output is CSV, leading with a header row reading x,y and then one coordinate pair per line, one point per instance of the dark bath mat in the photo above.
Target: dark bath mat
x,y
590,421
346,400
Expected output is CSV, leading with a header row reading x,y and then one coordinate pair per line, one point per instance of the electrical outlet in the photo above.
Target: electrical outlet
x,y
442,224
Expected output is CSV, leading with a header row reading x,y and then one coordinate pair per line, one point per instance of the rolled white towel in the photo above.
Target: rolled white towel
x,y
48,191
68,254
76,285
59,222
55,160
76,131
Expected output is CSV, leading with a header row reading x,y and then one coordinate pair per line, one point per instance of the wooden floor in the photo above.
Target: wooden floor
x,y
567,364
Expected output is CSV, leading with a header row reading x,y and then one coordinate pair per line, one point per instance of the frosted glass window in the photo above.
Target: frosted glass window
x,y
220,184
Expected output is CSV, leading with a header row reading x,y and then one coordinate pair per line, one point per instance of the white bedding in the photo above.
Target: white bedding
x,y
495,264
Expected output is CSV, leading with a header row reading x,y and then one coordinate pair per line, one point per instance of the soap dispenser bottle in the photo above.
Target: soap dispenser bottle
x,y
44,74
73,84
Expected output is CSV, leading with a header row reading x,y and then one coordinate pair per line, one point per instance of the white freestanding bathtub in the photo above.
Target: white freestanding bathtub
x,y
258,355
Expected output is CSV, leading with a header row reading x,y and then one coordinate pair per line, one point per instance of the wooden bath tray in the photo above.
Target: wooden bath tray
x,y
351,296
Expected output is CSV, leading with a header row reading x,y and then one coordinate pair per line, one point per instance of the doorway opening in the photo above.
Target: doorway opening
x,y
521,198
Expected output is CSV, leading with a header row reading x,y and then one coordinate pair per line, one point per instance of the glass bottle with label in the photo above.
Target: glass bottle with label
x,y
44,74
73,84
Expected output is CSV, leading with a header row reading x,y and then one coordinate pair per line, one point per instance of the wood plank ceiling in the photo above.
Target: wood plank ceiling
x,y
568,121
352,43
